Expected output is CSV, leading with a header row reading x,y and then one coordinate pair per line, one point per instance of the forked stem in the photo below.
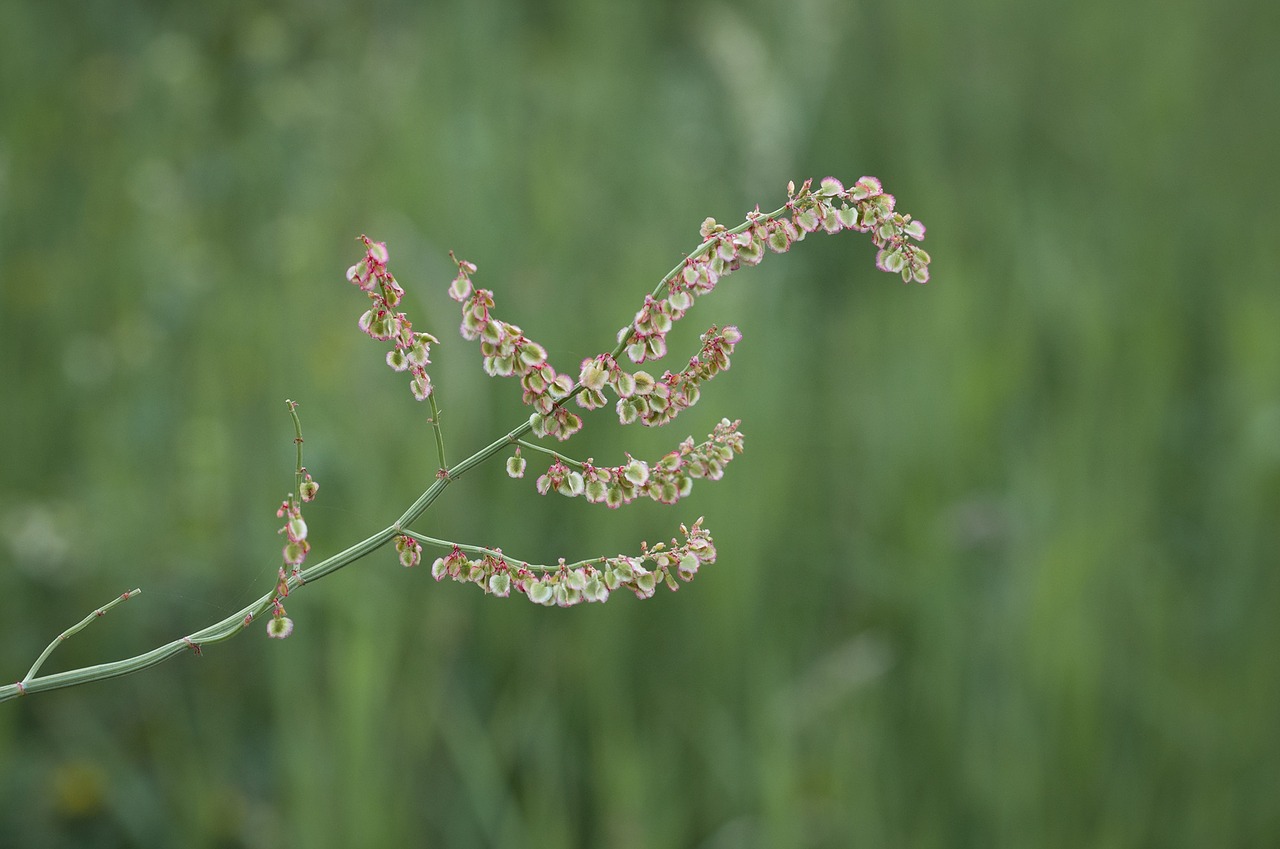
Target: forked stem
x,y
74,629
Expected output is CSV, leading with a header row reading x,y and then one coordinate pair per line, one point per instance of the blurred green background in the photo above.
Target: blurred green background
x,y
997,569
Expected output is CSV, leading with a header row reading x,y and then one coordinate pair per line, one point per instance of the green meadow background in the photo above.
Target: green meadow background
x,y
998,567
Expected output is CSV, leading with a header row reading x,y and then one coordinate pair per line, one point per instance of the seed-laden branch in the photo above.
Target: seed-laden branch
x,y
640,396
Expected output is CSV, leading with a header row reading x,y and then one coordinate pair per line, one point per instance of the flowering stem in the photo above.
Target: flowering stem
x,y
493,552
664,283
234,624
411,351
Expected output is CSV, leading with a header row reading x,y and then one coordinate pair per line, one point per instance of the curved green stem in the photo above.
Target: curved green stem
x,y
533,446
493,552
229,627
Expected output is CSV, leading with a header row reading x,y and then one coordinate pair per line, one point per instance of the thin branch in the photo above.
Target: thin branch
x,y
74,629
499,555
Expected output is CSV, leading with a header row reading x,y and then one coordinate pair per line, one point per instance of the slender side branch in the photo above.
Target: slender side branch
x,y
567,584
297,440
550,452
74,629
514,562
435,427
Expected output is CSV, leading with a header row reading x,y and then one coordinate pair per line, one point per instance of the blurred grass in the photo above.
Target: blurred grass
x,y
996,569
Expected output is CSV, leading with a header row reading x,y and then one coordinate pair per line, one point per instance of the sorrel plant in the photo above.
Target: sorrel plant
x,y
641,396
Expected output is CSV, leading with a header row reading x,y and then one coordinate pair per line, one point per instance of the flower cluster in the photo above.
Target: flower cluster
x,y
411,351
867,208
566,585
508,352
409,550
656,401
641,396
666,481
648,330
864,207
295,533
294,552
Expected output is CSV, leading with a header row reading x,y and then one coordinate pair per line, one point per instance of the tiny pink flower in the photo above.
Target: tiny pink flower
x,y
409,551
296,528
830,187
308,489
516,465
540,592
594,375
279,627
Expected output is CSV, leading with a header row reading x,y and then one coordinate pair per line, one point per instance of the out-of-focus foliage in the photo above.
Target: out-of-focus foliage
x,y
997,569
